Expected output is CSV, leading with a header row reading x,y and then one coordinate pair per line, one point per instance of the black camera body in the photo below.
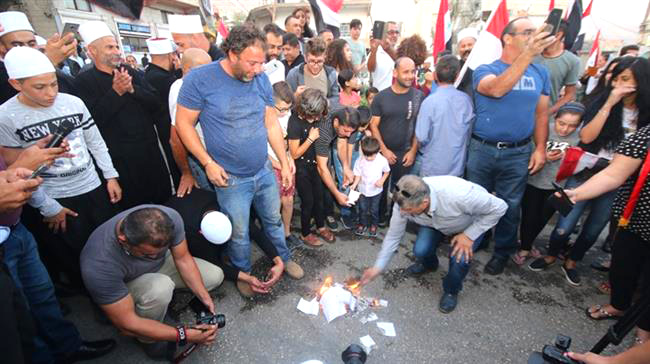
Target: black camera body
x,y
354,354
554,354
206,318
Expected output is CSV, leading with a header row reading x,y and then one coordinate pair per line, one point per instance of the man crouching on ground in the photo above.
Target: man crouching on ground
x,y
130,274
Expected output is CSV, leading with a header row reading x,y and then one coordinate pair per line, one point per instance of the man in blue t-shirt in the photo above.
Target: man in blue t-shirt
x,y
232,99
511,100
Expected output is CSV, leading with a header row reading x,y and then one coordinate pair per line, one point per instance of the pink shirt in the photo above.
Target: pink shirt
x,y
353,99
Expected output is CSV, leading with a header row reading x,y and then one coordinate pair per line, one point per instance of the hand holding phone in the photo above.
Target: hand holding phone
x,y
563,203
553,21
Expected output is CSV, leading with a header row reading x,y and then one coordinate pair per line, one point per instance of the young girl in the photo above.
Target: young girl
x,y
535,212
311,106
283,100
610,117
349,83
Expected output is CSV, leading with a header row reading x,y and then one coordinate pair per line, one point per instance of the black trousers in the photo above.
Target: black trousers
x,y
17,343
535,213
397,171
630,267
310,189
60,252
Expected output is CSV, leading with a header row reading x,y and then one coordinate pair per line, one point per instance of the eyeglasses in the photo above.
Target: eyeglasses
x,y
392,32
404,193
527,32
283,109
316,63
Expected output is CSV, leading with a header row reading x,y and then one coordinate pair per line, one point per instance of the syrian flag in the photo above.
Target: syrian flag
x,y
488,46
222,29
586,19
442,40
575,160
595,51
574,18
551,5
326,15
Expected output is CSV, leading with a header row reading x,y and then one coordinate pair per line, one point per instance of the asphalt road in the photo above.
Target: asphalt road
x,y
498,320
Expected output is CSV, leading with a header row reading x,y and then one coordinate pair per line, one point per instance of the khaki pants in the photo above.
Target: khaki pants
x,y
152,292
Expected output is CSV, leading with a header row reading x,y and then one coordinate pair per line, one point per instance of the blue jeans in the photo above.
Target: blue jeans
x,y
56,336
505,172
260,190
369,210
426,245
598,218
347,213
199,174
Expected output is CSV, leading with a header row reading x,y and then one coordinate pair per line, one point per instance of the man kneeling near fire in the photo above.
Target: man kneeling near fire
x,y
441,205
131,265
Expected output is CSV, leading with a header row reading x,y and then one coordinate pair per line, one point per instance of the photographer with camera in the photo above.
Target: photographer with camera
x,y
131,265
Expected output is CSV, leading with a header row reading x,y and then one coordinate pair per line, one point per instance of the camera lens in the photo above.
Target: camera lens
x,y
354,354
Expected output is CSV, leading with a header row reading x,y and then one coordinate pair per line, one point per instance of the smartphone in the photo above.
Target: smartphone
x,y
378,28
71,28
562,204
553,21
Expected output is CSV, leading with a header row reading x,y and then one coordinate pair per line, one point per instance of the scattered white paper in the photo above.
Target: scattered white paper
x,y
353,196
383,303
312,362
372,317
334,301
368,343
386,328
308,307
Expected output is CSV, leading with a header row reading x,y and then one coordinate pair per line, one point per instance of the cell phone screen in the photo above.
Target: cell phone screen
x,y
553,20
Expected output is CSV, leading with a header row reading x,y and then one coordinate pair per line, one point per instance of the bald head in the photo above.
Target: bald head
x,y
403,62
194,57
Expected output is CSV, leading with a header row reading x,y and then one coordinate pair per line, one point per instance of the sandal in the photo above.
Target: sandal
x,y
327,235
311,240
601,312
605,288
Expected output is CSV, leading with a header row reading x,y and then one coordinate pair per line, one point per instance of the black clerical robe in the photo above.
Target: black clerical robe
x,y
127,124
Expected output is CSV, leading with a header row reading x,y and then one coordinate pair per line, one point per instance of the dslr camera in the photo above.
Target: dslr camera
x,y
554,354
354,354
204,316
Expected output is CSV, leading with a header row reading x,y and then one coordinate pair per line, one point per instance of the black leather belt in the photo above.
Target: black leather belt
x,y
502,145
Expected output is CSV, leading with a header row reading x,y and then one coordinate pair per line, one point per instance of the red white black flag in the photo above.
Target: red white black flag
x,y
326,15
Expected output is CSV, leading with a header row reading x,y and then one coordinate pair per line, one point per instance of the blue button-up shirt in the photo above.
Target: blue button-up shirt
x,y
457,206
443,130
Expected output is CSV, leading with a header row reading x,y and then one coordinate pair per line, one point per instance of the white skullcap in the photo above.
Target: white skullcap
x,y
40,40
92,30
185,24
160,46
13,21
467,33
23,62
216,227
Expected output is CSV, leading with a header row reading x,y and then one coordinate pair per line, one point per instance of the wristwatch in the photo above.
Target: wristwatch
x,y
181,336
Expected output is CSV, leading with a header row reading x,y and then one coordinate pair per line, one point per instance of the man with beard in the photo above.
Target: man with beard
x,y
466,40
394,113
273,66
187,32
382,55
124,107
161,74
233,101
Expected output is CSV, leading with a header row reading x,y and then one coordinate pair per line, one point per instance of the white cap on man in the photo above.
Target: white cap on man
x,y
23,62
159,46
92,30
13,21
185,24
40,41
467,33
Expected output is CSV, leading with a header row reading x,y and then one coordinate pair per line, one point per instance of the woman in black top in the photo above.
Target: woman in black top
x,y
302,132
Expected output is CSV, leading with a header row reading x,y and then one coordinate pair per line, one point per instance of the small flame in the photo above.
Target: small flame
x,y
326,285
352,287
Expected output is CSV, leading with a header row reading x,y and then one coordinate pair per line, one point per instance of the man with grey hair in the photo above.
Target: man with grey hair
x,y
441,205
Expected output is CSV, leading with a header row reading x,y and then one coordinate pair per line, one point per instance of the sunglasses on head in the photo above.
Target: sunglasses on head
x,y
404,193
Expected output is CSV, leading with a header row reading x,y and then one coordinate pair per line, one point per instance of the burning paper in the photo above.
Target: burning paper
x,y
309,307
336,301
386,328
368,343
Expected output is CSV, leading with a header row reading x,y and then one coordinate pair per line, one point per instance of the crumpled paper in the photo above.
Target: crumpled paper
x,y
370,318
309,307
335,300
368,343
386,328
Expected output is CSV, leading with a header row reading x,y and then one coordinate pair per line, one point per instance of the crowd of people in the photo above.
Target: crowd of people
x,y
270,116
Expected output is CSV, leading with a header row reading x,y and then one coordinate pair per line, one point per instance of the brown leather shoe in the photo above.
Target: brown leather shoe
x,y
245,289
311,240
294,270
327,235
